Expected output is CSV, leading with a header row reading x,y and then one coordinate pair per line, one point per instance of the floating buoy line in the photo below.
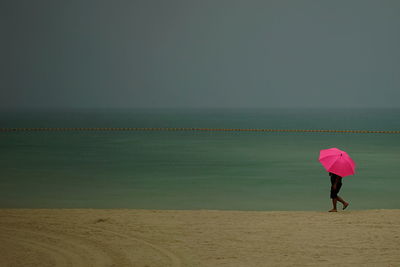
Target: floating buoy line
x,y
192,129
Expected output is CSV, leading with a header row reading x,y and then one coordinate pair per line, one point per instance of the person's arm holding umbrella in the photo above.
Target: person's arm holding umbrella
x,y
335,183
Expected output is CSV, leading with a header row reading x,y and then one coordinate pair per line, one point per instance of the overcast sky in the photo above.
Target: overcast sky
x,y
203,53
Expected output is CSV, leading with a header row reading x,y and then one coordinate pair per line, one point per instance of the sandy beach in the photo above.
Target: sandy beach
x,y
89,237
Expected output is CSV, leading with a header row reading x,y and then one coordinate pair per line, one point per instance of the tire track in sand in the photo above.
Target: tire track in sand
x,y
175,260
72,250
56,256
63,249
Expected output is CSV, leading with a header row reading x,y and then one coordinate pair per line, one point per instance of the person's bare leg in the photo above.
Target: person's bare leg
x,y
334,202
341,200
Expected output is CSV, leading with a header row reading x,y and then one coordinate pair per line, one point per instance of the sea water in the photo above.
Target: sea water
x,y
196,169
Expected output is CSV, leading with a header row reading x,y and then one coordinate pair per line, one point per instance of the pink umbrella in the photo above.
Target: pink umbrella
x,y
337,161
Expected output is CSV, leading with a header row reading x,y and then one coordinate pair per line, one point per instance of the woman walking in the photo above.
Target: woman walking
x,y
339,164
336,184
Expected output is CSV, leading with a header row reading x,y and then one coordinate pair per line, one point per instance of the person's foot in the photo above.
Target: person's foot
x,y
345,205
333,210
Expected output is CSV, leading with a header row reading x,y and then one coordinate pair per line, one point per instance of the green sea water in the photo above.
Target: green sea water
x,y
196,170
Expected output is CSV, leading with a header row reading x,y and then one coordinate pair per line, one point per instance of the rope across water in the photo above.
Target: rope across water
x,y
193,129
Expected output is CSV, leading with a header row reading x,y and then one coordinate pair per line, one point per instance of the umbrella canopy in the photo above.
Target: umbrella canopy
x,y
337,161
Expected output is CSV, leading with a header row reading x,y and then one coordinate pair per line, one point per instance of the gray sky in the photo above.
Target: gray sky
x,y
203,53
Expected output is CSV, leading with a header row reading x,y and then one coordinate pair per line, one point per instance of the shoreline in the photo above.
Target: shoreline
x,y
141,237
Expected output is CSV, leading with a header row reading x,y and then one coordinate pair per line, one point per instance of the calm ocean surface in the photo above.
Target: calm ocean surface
x,y
196,170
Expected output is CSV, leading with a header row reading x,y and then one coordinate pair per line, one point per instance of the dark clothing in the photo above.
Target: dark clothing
x,y
338,180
